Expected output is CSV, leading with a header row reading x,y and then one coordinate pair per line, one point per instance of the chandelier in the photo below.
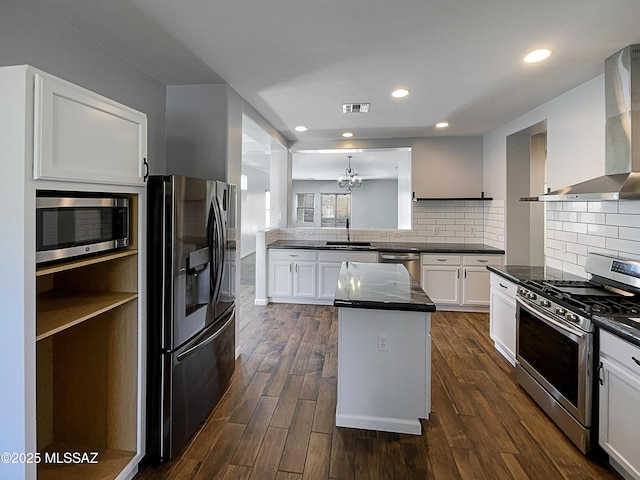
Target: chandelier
x,y
351,178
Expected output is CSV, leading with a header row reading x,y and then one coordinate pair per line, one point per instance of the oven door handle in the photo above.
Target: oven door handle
x,y
555,323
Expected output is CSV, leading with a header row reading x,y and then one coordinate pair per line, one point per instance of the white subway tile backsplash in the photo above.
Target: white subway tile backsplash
x,y
629,206
604,207
592,218
626,246
574,206
628,233
602,230
566,216
574,227
567,236
593,241
576,248
625,220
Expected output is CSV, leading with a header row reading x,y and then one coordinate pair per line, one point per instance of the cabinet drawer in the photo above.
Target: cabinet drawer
x,y
503,285
621,351
441,260
479,260
293,255
347,257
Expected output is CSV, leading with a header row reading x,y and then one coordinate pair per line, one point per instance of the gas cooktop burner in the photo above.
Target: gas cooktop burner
x,y
587,298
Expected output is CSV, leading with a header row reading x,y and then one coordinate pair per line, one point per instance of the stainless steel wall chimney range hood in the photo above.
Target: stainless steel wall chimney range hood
x,y
622,136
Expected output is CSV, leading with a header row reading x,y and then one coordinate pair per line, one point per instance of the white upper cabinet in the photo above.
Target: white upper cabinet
x,y
82,136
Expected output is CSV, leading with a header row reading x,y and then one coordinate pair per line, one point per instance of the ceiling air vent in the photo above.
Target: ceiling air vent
x,y
355,108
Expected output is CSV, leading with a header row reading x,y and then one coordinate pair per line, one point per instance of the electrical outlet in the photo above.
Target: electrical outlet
x,y
473,231
563,247
382,342
436,230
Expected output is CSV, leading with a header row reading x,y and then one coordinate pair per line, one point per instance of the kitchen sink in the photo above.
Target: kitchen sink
x,y
342,244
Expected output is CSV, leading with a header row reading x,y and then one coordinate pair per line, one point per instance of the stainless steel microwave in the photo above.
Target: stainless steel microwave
x,y
74,224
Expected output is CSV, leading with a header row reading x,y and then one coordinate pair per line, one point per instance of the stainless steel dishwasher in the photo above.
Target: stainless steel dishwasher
x,y
410,260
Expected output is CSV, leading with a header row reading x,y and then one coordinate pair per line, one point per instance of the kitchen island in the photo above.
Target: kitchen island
x,y
384,348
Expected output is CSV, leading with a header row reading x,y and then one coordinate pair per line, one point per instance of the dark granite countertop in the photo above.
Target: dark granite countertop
x,y
520,273
382,286
622,327
462,248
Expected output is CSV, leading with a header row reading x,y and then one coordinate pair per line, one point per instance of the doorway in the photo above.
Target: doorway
x,y
525,232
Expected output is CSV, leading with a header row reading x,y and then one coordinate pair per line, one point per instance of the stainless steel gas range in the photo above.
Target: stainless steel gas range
x,y
555,353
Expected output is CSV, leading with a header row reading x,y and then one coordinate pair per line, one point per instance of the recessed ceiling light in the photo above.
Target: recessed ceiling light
x,y
442,125
537,55
301,128
347,134
400,92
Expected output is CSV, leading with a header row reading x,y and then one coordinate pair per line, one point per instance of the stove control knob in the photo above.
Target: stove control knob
x,y
572,317
531,296
560,311
545,303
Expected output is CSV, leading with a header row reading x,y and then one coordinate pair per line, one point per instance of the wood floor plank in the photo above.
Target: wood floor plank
x,y
253,435
249,401
221,452
287,402
325,416
316,466
266,466
295,450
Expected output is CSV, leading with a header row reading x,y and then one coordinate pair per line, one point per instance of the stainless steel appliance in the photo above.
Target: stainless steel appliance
x,y
70,224
622,133
555,352
411,261
191,311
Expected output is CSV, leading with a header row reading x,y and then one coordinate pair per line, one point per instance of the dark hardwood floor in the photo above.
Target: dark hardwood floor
x,y
276,421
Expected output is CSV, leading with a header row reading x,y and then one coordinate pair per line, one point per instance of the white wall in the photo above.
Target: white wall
x,y
253,207
575,139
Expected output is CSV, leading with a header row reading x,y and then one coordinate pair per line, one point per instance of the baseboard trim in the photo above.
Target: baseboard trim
x,y
383,424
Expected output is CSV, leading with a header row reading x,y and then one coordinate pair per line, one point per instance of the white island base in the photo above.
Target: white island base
x,y
384,369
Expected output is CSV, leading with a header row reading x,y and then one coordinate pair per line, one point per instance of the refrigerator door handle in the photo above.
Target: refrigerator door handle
x,y
206,341
220,250
212,240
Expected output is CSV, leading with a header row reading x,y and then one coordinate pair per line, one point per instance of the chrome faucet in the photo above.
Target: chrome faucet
x,y
348,233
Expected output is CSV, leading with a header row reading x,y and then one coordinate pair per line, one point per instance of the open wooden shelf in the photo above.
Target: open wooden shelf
x,y
58,310
110,463
83,262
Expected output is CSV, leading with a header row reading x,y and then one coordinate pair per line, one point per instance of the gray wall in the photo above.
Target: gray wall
x,y
373,205
30,36
197,127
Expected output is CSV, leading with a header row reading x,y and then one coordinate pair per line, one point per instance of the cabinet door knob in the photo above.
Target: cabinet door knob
x,y
503,286
441,259
635,360
146,169
482,260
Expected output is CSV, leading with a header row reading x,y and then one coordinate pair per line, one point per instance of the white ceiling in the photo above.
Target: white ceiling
x,y
297,62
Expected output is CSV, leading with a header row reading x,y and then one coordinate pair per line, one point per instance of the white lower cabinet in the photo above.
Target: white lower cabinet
x,y
458,282
308,276
502,316
292,274
619,377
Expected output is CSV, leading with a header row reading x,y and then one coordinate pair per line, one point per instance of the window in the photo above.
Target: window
x,y
304,202
336,208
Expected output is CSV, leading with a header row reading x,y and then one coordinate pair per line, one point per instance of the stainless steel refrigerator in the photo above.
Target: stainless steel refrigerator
x,y
191,310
